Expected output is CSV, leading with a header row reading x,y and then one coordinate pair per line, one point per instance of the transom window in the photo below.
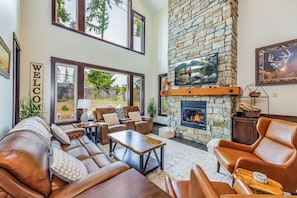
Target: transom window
x,y
112,21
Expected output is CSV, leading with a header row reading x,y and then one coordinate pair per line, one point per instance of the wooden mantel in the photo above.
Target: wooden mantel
x,y
232,91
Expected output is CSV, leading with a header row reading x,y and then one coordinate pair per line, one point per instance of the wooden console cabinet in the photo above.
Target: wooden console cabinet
x,y
244,130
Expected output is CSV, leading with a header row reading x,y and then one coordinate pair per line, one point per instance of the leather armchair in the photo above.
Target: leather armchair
x,y
105,128
145,125
199,186
274,153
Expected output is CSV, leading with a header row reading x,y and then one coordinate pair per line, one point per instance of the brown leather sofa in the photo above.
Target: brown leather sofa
x,y
274,153
145,125
199,186
105,128
25,154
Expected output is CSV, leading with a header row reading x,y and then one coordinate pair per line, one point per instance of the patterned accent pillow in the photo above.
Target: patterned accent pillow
x,y
60,135
67,167
135,116
111,118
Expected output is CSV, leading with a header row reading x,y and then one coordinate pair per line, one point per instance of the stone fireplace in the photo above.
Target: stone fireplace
x,y
198,28
193,114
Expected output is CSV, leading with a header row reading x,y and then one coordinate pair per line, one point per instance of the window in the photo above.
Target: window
x,y
66,13
106,20
66,89
163,100
138,91
106,87
138,32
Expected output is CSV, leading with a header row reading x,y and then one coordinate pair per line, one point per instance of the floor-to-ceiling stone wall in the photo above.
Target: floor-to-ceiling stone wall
x,y
198,28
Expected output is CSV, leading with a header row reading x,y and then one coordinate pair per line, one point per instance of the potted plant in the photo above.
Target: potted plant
x,y
152,107
28,109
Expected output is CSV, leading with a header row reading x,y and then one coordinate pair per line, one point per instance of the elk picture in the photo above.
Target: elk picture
x,y
280,64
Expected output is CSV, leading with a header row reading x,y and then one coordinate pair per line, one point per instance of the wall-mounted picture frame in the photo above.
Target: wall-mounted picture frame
x,y
277,64
4,59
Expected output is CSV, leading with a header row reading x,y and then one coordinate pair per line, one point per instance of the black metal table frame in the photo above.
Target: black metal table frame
x,y
142,165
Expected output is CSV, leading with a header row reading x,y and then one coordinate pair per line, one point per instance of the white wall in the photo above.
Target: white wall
x,y
42,40
9,23
160,47
262,23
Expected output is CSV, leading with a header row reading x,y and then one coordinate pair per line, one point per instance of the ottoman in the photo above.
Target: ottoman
x,y
166,132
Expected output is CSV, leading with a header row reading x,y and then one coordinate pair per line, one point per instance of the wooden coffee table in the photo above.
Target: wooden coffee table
x,y
136,150
272,187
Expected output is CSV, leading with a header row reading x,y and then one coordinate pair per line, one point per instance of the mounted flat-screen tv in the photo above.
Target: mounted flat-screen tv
x,y
200,70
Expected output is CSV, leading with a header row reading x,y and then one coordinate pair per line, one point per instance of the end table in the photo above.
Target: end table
x,y
88,127
272,187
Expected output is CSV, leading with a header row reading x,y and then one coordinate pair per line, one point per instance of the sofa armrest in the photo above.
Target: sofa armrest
x,y
130,123
147,118
75,188
11,187
236,145
169,187
75,132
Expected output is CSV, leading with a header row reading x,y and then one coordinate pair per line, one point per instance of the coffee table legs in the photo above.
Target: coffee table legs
x,y
144,159
162,158
143,166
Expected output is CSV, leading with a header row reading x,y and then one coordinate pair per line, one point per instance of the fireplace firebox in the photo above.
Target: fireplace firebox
x,y
193,114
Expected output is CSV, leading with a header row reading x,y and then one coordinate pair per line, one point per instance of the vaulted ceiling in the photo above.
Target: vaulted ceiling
x,y
155,5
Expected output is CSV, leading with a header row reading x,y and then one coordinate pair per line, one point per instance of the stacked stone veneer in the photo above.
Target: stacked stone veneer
x,y
198,28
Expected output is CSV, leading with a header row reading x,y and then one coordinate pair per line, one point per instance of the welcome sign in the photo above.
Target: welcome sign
x,y
36,88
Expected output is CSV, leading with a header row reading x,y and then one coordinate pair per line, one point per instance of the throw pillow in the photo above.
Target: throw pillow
x,y
67,167
111,118
60,135
135,116
42,122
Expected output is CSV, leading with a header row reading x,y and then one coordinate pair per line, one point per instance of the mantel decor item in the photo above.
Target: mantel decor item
x,y
84,104
4,59
277,64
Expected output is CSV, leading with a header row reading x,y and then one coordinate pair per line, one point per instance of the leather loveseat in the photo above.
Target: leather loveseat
x,y
26,159
274,153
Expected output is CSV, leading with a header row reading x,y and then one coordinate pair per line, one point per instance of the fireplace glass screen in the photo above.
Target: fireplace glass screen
x,y
193,114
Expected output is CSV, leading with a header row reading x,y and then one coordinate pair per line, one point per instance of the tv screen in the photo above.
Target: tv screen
x,y
200,70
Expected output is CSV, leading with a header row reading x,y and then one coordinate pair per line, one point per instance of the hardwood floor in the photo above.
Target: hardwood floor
x,y
181,140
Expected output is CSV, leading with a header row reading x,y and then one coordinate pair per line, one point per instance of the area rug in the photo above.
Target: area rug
x,y
178,161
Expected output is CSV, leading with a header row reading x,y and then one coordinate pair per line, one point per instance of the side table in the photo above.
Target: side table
x,y
272,187
88,126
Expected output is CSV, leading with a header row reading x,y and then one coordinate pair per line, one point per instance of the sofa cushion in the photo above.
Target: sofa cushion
x,y
67,167
273,152
111,118
60,135
135,116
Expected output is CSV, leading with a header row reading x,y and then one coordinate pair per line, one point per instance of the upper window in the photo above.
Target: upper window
x,y
108,20
138,32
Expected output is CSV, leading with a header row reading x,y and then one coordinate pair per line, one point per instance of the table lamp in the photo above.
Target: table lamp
x,y
84,104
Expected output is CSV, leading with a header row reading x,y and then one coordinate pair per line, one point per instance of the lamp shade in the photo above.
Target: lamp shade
x,y
83,104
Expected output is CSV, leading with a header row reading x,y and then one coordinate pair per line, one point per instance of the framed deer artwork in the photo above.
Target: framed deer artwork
x,y
277,64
